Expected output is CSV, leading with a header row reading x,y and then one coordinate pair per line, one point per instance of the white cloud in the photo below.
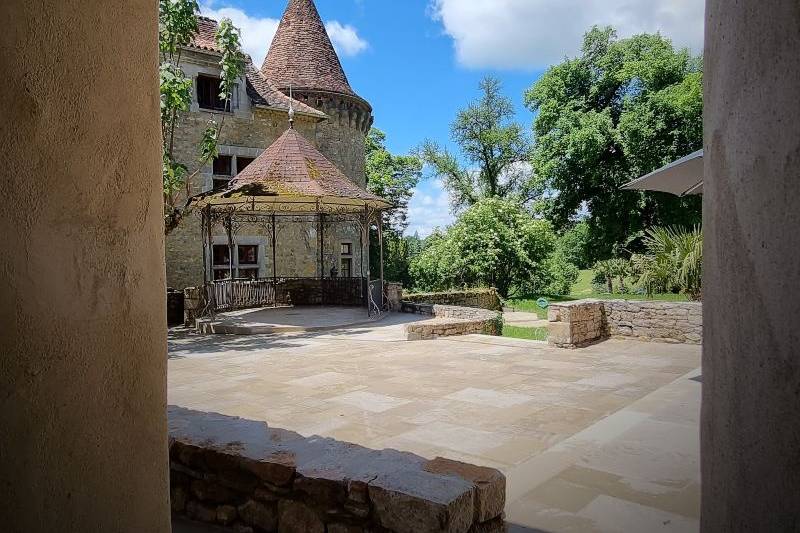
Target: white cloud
x,y
345,38
257,33
429,209
526,34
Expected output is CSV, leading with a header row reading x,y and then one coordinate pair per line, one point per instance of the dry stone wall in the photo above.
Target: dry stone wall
x,y
480,298
450,320
249,477
574,324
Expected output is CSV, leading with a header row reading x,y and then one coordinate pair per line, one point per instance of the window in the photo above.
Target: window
x,y
221,255
223,165
347,267
248,254
222,171
208,94
242,162
245,261
347,248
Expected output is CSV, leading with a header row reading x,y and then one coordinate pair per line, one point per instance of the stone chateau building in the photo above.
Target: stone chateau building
x,y
328,113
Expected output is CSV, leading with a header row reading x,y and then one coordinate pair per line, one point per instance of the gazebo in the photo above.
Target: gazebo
x,y
290,183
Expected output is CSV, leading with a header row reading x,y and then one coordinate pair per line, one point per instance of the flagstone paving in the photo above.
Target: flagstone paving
x,y
603,438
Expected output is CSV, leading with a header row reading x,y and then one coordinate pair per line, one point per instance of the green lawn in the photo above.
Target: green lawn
x,y
583,289
531,334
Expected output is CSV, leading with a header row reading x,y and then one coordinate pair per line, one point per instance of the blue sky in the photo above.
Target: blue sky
x,y
419,61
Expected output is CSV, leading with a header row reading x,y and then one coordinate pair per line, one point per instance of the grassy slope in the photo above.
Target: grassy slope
x,y
583,289
531,334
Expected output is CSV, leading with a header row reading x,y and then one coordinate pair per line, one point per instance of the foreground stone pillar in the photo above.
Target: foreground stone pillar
x,y
751,309
83,439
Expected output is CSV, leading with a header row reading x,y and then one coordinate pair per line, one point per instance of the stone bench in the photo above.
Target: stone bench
x,y
249,477
450,320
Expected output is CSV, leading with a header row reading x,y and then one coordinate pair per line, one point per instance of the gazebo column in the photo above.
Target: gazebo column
x,y
366,252
274,261
321,230
229,231
380,241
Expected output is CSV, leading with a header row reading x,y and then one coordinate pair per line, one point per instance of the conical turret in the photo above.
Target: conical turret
x,y
302,56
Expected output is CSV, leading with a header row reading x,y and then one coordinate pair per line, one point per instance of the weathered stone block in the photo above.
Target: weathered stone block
x,y
490,493
498,525
211,492
177,498
406,512
296,517
344,528
198,511
226,514
259,515
277,469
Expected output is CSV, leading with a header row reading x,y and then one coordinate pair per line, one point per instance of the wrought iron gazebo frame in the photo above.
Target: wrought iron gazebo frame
x,y
233,211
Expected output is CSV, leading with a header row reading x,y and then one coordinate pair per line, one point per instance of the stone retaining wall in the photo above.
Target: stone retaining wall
x,y
678,322
450,320
479,298
574,324
251,478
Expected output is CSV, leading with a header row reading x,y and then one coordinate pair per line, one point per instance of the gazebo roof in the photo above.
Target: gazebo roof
x,y
292,176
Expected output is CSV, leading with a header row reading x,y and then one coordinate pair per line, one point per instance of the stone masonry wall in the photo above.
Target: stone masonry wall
x,y
573,324
449,321
576,324
679,322
480,298
248,477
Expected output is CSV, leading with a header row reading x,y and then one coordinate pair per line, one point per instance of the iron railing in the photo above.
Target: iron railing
x,y
230,295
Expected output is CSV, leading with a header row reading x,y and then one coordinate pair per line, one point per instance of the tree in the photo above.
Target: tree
x,y
493,243
495,148
573,244
621,109
177,26
392,177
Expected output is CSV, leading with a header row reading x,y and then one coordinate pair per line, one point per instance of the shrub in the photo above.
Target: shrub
x,y
494,243
672,262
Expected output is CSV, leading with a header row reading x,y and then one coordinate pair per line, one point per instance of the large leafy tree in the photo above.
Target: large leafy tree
x,y
493,243
177,26
621,109
495,148
393,177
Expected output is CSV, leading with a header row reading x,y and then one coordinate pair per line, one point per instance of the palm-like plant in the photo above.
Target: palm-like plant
x,y
673,261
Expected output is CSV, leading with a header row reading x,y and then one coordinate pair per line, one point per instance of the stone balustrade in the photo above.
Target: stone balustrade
x,y
582,322
450,320
249,477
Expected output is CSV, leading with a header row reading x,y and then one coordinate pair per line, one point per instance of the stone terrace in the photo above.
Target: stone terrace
x,y
582,435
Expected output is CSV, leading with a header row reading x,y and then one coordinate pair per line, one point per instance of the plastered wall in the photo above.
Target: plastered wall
x,y
83,440
750,428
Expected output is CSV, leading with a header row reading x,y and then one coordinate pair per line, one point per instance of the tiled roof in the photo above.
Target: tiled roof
x,y
260,90
204,39
291,166
301,54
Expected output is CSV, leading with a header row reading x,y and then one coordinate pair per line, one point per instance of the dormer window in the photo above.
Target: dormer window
x,y
210,97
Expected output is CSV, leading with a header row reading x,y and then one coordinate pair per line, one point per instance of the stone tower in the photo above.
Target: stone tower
x,y
302,58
